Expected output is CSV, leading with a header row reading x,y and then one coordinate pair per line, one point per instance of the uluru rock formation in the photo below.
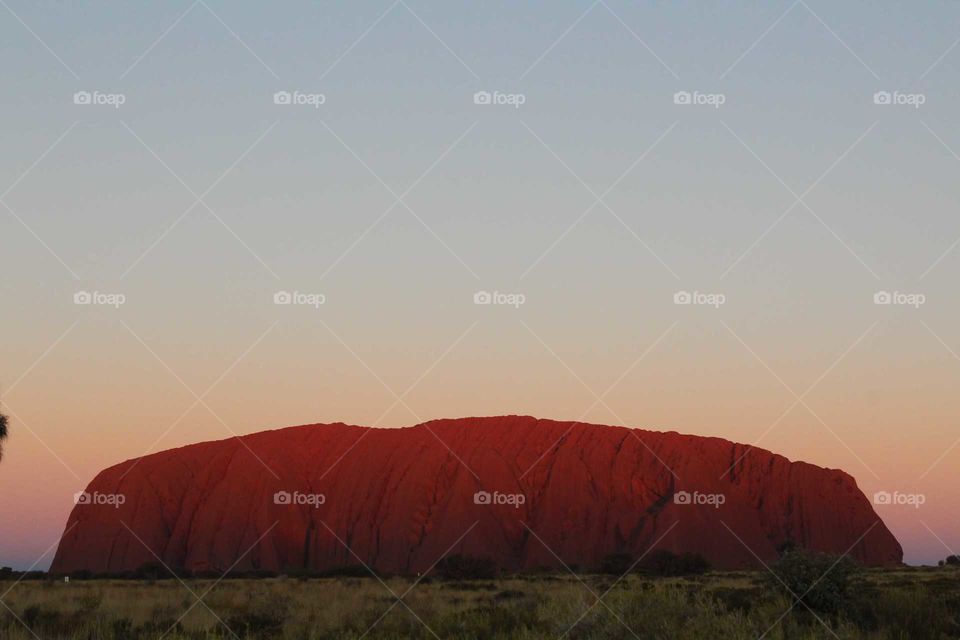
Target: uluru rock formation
x,y
525,492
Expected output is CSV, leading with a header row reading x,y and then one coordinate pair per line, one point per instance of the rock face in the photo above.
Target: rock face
x,y
525,492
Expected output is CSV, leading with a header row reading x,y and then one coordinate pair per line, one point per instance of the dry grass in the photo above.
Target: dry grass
x,y
892,605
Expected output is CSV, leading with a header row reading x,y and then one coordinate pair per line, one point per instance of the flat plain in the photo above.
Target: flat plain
x,y
902,603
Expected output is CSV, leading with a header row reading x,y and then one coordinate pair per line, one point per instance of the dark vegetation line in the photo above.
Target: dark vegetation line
x,y
808,595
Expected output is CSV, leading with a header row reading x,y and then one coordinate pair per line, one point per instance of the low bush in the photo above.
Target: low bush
x,y
821,581
461,567
657,563
666,563
616,564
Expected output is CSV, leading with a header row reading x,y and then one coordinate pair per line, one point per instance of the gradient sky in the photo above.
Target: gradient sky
x,y
798,199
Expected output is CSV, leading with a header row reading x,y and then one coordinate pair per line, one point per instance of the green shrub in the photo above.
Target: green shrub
x,y
122,628
819,580
913,612
256,624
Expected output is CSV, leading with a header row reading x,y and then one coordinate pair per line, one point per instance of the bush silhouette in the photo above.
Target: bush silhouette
x,y
460,567
3,432
667,563
819,580
157,571
616,564
346,571
786,547
657,563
